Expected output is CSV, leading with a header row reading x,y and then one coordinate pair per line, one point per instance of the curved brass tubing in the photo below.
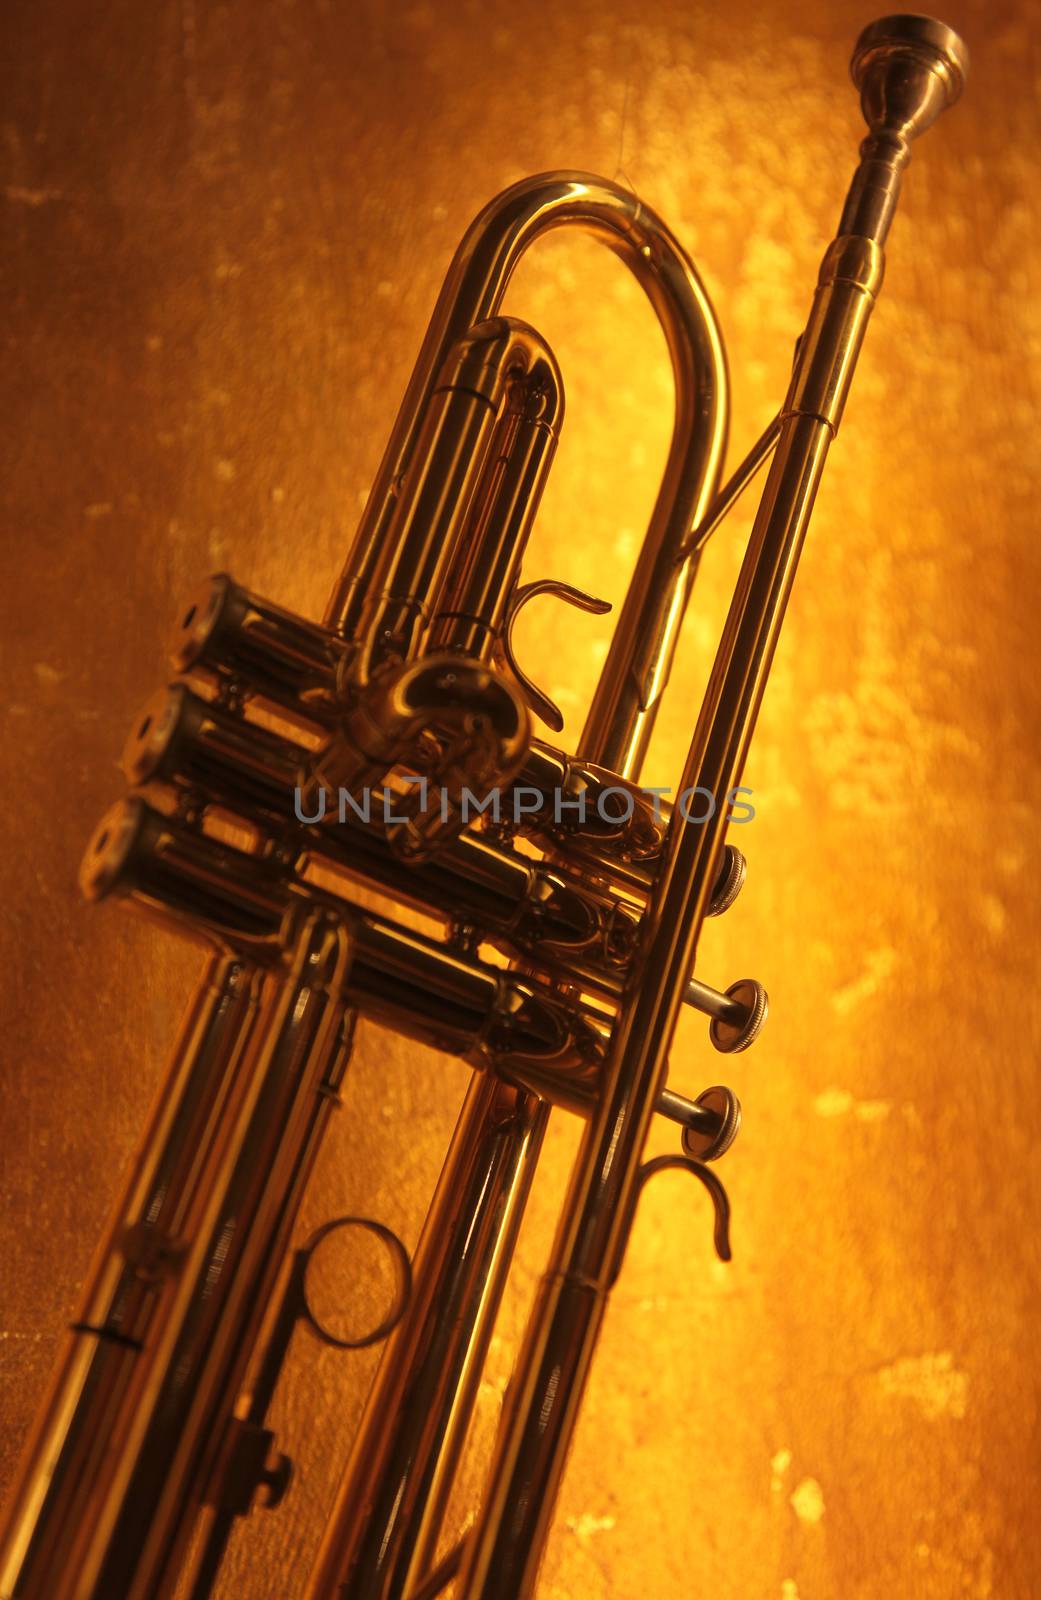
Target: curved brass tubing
x,y
383,1533
908,70
149,1437
622,714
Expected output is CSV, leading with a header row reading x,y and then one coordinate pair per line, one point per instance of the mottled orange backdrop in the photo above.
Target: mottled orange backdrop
x,y
224,228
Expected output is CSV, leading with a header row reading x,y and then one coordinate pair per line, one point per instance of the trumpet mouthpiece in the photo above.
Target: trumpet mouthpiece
x,y
908,69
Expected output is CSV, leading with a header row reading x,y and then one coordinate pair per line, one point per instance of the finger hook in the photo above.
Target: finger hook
x,y
717,1194
540,703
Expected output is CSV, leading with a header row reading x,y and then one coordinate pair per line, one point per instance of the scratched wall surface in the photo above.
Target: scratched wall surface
x,y
224,226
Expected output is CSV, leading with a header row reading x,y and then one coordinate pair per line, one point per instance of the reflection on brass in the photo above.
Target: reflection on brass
x,y
155,1434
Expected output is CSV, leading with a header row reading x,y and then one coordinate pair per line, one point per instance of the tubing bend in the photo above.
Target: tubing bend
x,y
623,711
505,1548
620,721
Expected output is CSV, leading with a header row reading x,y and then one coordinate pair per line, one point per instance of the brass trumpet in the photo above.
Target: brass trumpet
x,y
322,745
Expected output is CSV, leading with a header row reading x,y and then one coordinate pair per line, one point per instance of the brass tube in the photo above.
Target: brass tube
x,y
139,1437
637,667
449,463
553,1367
457,533
505,1548
151,1377
383,1532
70,1478
532,908
239,638
472,604
445,997
621,721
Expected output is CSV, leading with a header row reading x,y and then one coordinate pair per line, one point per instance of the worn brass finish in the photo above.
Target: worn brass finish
x,y
154,1435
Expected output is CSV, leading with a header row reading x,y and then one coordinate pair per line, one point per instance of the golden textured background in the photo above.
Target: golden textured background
x,y
224,228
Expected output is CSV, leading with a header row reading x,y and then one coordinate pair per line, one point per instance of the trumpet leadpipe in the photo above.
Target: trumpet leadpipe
x,y
908,69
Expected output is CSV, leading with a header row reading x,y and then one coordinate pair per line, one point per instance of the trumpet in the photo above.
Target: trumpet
x,y
391,747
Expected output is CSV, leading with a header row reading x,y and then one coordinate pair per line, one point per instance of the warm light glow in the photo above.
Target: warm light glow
x,y
227,231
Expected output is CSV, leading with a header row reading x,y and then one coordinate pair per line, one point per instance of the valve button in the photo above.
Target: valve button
x,y
725,1105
